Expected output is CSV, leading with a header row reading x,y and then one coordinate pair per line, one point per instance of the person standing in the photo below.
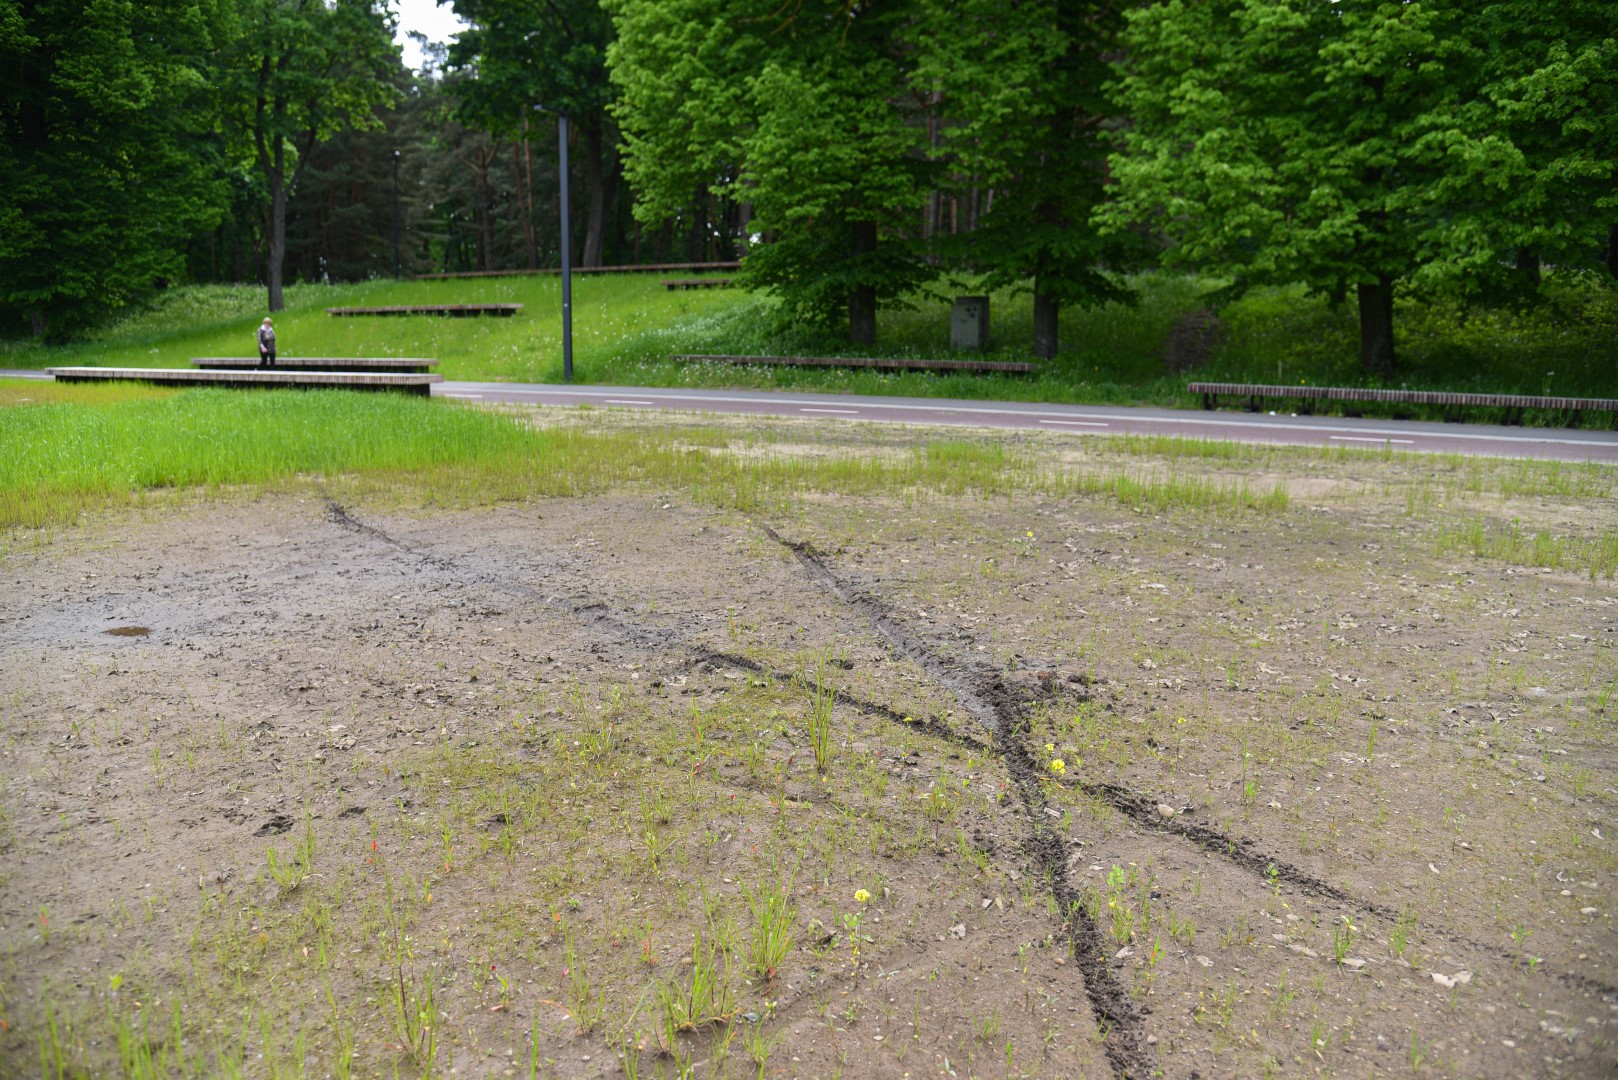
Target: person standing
x,y
266,344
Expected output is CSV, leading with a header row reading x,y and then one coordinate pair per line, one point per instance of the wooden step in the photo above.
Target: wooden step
x,y
637,268
396,364
256,378
1010,367
696,283
452,310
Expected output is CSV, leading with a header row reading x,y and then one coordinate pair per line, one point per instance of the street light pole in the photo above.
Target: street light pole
x,y
396,215
567,248
567,257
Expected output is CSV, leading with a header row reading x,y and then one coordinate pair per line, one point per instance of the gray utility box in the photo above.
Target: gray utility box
x,y
969,323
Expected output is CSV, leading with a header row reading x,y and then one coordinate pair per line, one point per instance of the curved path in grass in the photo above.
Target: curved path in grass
x,y
1408,435
1556,443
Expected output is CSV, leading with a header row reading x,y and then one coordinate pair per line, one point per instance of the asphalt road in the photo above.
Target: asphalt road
x,y
1420,436
1553,443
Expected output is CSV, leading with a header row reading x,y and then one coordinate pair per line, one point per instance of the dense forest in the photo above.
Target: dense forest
x,y
851,152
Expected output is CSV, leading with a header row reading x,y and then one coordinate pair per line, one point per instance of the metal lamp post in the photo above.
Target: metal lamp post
x,y
567,250
396,215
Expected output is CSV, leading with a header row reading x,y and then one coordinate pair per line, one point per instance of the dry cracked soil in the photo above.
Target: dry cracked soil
x,y
300,784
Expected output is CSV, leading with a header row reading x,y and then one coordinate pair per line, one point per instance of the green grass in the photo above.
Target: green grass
x,y
626,327
62,457
1512,543
67,457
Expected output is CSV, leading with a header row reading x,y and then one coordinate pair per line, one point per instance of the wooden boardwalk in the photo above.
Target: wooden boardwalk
x,y
256,378
1452,400
696,283
460,311
1007,367
383,364
636,268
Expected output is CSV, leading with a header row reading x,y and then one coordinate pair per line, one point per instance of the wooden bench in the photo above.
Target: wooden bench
x,y
696,283
1452,402
388,364
504,311
636,268
1009,367
254,378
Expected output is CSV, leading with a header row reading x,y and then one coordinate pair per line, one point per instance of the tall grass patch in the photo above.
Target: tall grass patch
x,y
39,392
1510,542
62,458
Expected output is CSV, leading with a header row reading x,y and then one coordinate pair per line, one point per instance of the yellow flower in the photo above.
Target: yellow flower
x,y
1058,766
861,895
1030,534
1050,748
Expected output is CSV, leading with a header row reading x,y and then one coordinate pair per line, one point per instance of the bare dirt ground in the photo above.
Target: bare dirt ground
x,y
1329,802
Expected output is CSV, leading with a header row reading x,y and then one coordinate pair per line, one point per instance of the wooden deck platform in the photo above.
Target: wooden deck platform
x,y
1008,367
634,268
696,283
268,378
382,364
461,311
1452,401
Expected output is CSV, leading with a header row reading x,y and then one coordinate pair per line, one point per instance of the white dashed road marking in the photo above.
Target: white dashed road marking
x,y
1355,438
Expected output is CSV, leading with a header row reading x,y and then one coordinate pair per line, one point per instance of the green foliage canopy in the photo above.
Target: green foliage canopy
x,y
104,149
1017,92
1356,144
790,111
297,72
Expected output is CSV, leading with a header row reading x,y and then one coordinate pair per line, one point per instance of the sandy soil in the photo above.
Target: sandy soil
x,y
1330,803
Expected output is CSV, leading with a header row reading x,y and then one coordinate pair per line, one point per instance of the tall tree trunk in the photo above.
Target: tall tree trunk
x,y
595,226
613,210
1612,250
1376,326
39,323
699,223
530,232
278,229
1046,310
486,209
862,301
1528,266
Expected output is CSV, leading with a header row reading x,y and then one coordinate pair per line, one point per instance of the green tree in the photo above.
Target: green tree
x,y
522,53
1551,90
1312,141
304,70
106,165
797,111
1017,102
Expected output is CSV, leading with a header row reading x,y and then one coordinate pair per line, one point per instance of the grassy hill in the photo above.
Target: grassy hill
x,y
626,326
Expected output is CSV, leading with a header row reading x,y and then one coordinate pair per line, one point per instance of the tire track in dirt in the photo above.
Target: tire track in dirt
x,y
997,709
999,713
1142,810
635,634
1240,850
929,726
